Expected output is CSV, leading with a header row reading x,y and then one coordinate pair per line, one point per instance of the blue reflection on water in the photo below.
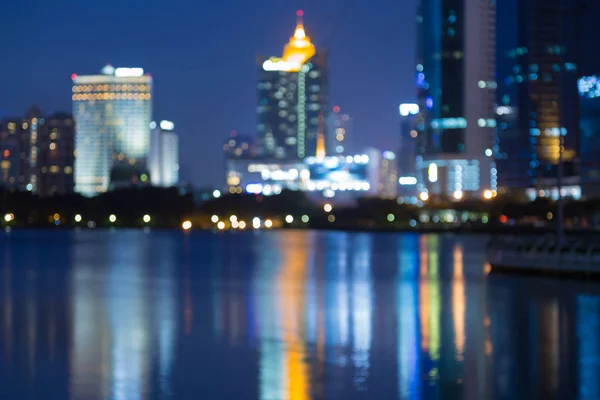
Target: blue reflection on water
x,y
285,315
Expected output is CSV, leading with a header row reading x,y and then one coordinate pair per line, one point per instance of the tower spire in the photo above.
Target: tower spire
x,y
299,49
299,33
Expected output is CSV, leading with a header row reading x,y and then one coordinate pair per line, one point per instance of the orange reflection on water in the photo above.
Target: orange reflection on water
x,y
458,301
290,293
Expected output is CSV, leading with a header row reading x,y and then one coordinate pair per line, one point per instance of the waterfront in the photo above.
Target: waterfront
x,y
271,315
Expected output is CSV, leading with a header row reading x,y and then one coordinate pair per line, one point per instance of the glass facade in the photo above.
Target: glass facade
x,y
456,92
589,91
37,153
536,94
441,62
164,155
113,112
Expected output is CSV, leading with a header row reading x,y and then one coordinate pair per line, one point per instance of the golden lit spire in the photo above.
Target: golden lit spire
x,y
321,138
299,49
299,33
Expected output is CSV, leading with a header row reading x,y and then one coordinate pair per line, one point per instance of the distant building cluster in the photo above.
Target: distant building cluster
x,y
501,106
37,153
303,143
109,141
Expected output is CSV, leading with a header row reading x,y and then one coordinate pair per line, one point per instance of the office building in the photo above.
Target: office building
x,y
456,89
411,123
56,156
589,91
113,112
164,154
339,133
536,92
292,96
383,173
37,153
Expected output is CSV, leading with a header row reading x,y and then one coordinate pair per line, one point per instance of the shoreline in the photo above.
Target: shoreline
x,y
494,231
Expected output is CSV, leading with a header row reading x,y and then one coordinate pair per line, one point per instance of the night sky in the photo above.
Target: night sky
x,y
202,55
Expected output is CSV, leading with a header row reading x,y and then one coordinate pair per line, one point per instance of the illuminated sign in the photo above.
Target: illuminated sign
x,y
449,123
167,125
129,72
407,109
432,172
407,180
388,155
275,64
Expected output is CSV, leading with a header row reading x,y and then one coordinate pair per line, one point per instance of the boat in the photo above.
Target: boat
x,y
574,257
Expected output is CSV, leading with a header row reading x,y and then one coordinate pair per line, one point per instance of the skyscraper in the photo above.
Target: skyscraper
x,y
292,94
37,153
410,124
339,133
589,90
537,91
164,154
456,82
112,111
56,155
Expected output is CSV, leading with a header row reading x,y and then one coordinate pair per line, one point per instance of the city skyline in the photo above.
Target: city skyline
x,y
205,112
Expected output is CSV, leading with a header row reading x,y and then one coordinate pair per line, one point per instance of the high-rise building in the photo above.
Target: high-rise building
x,y
589,90
37,153
339,133
536,92
410,124
292,95
113,112
56,155
164,154
456,82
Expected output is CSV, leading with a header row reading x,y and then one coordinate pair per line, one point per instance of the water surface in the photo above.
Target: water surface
x,y
285,315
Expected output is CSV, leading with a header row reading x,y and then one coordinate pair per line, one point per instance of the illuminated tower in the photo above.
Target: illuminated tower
x,y
164,154
455,75
112,113
292,93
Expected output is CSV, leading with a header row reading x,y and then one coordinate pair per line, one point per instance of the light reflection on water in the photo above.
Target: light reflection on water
x,y
285,315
